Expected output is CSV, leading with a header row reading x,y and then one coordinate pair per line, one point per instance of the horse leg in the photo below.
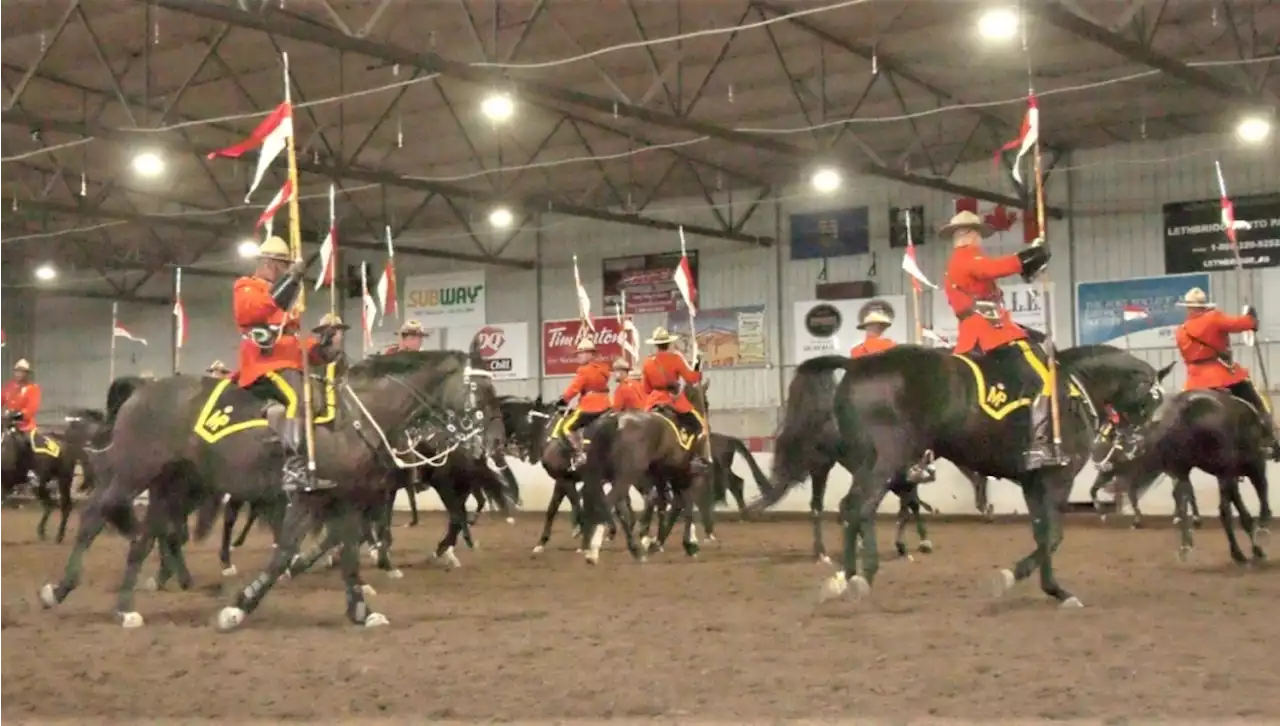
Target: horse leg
x,y
1046,530
347,525
411,491
157,524
1247,521
1133,503
1182,493
900,538
575,507
255,511
46,508
444,554
1229,494
553,508
858,513
230,513
1258,478
64,505
690,542
114,504
480,502
1101,480
292,530
980,482
620,499
817,500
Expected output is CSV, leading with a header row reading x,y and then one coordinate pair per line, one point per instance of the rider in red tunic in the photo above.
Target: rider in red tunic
x,y
270,352
628,395
875,322
986,327
662,374
590,385
21,395
1204,342
412,334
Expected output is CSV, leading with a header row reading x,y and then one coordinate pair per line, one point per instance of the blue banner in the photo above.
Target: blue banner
x,y
1152,305
834,233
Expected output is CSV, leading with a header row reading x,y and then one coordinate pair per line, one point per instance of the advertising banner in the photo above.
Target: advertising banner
x,y
456,299
1135,313
649,281
830,327
727,337
560,342
1194,239
504,347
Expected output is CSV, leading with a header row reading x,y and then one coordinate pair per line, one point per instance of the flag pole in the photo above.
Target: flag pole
x,y
697,355
1250,339
111,368
300,306
177,321
915,288
333,257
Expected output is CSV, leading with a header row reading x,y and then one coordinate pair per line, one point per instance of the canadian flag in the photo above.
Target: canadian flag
x,y
1028,135
584,300
328,250
272,135
368,308
279,200
912,267
685,284
387,283
1005,221
180,334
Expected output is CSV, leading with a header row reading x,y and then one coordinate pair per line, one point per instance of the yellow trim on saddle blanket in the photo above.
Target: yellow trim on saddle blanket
x,y
994,401
214,422
684,438
51,447
562,425
330,385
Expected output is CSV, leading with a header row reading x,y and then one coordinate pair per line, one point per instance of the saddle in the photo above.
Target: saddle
x,y
1003,382
45,445
230,409
672,417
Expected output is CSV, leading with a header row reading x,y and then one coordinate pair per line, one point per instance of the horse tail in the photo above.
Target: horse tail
x,y
205,518
762,481
810,408
119,392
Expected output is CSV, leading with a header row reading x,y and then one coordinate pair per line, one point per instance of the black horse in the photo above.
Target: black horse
x,y
1116,444
176,439
44,460
894,407
1219,434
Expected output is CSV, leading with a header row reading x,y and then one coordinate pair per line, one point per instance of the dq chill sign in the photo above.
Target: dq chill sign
x,y
441,301
560,340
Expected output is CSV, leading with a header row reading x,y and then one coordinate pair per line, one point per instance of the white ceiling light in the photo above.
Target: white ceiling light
x,y
1253,129
498,107
501,218
148,164
247,249
826,181
998,24
46,272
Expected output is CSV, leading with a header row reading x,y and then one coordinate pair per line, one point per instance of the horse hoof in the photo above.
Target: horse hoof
x,y
230,618
593,558
229,571
149,585
900,548
925,546
368,590
1261,537
575,532
1184,554
1002,582
396,574
131,620
511,520
711,538
373,554
833,588
376,620
692,549
1071,603
823,559
48,598
448,560
1195,523
859,587
538,549
646,543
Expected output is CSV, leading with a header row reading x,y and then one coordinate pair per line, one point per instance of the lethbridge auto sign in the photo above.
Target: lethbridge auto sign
x,y
1194,240
560,340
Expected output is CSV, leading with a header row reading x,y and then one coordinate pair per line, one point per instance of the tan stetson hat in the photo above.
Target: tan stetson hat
x,y
966,220
217,367
274,248
330,321
875,317
22,365
621,364
586,345
1196,298
412,327
662,336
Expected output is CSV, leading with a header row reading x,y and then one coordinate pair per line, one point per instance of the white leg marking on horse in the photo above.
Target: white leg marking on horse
x,y
368,590
131,620
395,574
47,596
449,559
859,587
645,541
693,534
597,539
149,585
511,520
229,571
538,549
1002,582
1071,603
833,587
374,620
229,618
925,546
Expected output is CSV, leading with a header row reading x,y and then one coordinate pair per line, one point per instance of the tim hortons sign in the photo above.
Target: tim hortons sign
x,y
560,340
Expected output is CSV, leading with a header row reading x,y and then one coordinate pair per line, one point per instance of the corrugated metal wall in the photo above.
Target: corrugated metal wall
x,y
1115,232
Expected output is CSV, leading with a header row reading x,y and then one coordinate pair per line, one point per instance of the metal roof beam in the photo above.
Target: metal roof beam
x,y
1061,17
433,63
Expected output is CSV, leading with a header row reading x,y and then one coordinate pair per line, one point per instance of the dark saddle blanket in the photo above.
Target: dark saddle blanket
x,y
1006,381
229,409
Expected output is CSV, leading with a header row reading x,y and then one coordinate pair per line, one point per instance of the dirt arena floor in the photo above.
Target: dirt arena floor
x,y
735,636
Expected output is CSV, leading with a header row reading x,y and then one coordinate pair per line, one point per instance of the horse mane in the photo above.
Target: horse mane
x,y
119,391
402,362
1083,359
87,414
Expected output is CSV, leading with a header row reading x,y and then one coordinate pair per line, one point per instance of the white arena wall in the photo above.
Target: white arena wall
x,y
1113,231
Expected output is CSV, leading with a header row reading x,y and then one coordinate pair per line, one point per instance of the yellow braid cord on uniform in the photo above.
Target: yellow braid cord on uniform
x,y
286,390
1046,384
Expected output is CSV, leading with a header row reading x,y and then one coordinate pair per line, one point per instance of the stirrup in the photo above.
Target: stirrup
x,y
1042,456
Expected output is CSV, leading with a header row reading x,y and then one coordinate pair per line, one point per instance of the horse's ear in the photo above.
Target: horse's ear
x,y
1160,374
476,360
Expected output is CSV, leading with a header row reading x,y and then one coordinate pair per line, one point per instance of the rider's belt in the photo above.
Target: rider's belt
x,y
263,336
672,388
982,308
1210,359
